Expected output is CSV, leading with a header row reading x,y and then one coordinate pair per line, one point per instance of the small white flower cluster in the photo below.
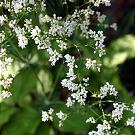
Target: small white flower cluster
x,y
28,25
48,116
22,39
54,56
35,34
20,33
79,92
2,36
62,45
67,83
92,64
84,28
4,61
91,120
66,27
80,95
100,18
69,26
131,122
70,102
5,94
6,81
99,39
133,107
44,18
107,89
114,26
5,78
56,29
3,19
117,113
70,60
43,43
62,117
1,4
97,3
17,5
103,129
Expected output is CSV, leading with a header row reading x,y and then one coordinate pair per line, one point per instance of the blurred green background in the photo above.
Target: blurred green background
x,y
21,114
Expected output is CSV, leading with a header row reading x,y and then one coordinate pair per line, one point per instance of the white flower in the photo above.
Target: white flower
x,y
107,89
92,64
102,129
101,18
70,60
80,95
6,82
115,132
5,77
67,83
35,32
62,45
44,19
114,26
46,116
117,113
69,27
97,3
50,111
54,56
28,24
4,61
2,36
5,94
56,29
1,4
133,107
62,118
91,120
22,41
85,81
3,18
17,6
70,102
12,23
131,122
99,40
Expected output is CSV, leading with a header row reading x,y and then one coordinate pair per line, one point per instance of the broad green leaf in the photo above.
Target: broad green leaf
x,y
44,129
119,51
6,111
46,79
23,83
126,131
24,122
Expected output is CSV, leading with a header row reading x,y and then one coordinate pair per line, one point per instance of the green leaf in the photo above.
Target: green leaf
x,y
6,111
46,79
119,51
24,122
23,83
44,129
126,131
